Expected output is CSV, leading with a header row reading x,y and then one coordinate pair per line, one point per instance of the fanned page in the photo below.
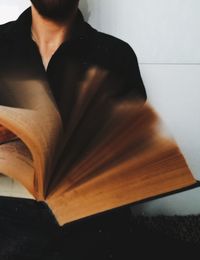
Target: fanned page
x,y
28,110
115,152
16,162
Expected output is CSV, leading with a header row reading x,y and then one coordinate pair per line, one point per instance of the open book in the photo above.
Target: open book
x,y
110,150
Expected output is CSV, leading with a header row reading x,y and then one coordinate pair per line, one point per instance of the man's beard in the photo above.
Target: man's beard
x,y
57,10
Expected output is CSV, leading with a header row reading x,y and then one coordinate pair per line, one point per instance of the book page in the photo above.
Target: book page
x,y
122,167
28,110
5,135
16,162
118,153
12,188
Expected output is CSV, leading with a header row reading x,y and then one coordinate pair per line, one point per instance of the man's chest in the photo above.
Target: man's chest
x,y
65,73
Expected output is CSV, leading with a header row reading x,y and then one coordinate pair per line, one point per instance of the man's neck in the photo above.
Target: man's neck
x,y
49,35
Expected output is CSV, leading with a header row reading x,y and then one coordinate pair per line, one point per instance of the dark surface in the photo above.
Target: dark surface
x,y
29,231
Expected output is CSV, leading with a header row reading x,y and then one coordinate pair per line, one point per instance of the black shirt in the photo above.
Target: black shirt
x,y
20,58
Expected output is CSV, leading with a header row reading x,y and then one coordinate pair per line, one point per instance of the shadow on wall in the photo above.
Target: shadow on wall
x,y
84,7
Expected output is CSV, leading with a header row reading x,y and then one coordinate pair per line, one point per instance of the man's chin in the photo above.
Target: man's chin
x,y
56,10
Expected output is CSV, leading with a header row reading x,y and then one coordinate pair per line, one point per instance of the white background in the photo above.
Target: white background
x,y
165,35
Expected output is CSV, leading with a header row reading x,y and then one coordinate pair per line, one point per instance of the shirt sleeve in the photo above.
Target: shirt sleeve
x,y
129,72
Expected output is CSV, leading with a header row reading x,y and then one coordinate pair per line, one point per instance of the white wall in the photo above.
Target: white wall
x,y
166,38
10,10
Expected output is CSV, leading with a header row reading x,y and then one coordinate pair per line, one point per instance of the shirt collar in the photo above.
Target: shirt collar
x,y
21,29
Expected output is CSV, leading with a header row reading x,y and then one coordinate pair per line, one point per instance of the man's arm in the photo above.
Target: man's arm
x,y
129,71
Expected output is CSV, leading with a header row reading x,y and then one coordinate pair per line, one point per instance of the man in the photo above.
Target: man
x,y
42,44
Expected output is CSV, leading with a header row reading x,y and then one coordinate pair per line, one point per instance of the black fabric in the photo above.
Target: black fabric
x,y
27,228
20,57
28,231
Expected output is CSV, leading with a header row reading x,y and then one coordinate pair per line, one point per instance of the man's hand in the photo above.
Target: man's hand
x,y
5,135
